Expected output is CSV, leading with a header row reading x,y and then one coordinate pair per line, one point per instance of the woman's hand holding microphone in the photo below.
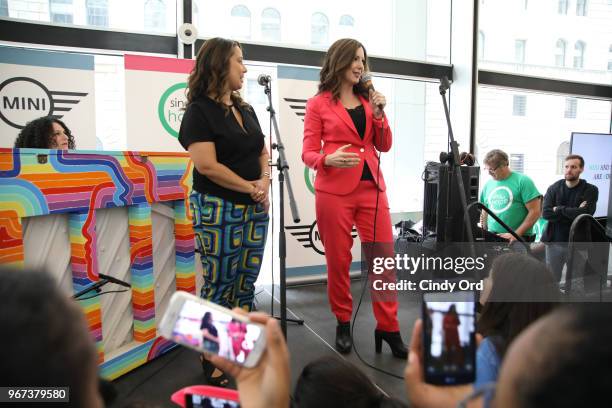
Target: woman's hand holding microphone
x,y
377,102
341,158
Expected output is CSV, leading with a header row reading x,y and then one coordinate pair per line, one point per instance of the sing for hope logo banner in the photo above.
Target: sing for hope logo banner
x,y
155,98
36,83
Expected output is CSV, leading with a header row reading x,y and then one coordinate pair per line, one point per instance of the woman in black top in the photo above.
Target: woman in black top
x,y
231,176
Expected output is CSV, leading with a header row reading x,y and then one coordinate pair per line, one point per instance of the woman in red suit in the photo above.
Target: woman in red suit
x,y
343,127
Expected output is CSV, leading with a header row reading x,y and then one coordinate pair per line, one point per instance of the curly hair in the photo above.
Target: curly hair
x,y
338,59
209,74
39,134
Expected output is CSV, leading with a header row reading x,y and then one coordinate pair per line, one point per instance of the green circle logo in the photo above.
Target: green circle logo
x,y
500,199
170,108
309,178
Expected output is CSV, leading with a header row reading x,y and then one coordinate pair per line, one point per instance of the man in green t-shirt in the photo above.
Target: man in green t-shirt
x,y
511,196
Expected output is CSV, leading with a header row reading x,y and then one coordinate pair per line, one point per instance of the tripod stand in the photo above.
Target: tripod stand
x,y
282,166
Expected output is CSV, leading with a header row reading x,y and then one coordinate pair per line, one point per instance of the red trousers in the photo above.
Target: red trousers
x,y
336,216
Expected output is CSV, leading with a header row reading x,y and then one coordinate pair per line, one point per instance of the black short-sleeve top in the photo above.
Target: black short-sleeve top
x,y
239,149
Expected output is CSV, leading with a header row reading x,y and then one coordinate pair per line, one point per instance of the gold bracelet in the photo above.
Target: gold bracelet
x,y
266,173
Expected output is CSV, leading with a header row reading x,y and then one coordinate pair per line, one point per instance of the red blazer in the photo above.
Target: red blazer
x,y
328,126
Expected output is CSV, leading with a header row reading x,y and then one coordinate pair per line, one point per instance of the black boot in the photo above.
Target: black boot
x,y
394,340
344,342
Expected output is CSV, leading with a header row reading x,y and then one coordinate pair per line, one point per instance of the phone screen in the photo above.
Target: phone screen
x,y
203,401
214,331
449,337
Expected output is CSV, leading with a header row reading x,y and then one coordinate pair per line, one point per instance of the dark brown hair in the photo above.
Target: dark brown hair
x,y
523,290
338,59
38,133
209,74
576,157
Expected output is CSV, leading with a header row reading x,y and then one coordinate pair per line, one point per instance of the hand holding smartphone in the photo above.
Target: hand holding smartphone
x,y
210,328
449,338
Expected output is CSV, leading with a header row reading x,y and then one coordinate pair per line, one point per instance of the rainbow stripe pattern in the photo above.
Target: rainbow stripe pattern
x,y
36,182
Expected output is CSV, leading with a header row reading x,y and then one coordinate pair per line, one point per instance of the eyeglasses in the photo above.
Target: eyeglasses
x,y
485,391
491,171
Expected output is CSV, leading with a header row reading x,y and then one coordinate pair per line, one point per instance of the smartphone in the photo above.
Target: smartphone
x,y
210,328
449,337
205,401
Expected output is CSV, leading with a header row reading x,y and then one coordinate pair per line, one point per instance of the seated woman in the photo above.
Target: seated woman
x,y
519,290
45,132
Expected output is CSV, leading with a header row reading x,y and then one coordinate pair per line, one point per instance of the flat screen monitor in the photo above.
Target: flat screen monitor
x,y
596,149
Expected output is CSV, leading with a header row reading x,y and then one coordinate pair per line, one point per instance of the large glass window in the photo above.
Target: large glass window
x,y
134,15
241,22
271,25
560,53
415,30
61,11
319,29
539,134
4,10
154,15
579,54
547,30
97,13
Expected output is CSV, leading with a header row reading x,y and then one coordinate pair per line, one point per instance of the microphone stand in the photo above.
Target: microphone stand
x,y
456,166
94,286
104,279
282,166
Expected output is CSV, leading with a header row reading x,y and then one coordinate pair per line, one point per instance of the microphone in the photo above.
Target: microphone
x,y
263,79
366,80
114,280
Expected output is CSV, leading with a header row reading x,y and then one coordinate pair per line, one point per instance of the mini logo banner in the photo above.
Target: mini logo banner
x,y
156,98
37,83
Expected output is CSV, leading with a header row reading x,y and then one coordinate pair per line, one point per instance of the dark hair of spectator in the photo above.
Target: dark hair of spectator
x,y
576,156
45,341
572,368
523,290
332,382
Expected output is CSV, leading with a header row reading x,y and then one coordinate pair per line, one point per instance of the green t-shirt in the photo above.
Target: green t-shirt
x,y
507,199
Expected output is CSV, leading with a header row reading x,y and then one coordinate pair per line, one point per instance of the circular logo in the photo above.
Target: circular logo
x,y
309,178
315,239
500,199
23,99
170,108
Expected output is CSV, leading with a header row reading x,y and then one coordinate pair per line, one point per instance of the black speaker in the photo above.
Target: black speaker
x,y
437,203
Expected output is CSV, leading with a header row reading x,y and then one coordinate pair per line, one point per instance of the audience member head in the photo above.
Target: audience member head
x,y
218,70
334,382
520,289
337,64
45,340
496,163
562,360
45,132
573,167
